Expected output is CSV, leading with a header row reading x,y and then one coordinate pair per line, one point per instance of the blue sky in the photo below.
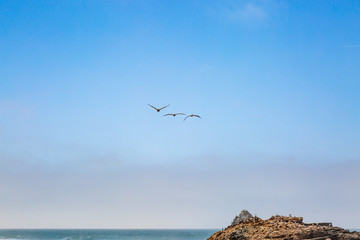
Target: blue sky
x,y
275,82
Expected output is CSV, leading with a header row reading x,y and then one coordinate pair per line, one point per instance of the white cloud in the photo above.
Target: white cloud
x,y
249,12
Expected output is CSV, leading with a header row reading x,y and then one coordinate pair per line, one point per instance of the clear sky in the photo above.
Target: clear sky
x,y
277,84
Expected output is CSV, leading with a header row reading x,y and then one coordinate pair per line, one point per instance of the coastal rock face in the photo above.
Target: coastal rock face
x,y
283,228
243,216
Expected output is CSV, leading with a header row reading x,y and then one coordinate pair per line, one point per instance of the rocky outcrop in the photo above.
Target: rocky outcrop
x,y
283,228
243,216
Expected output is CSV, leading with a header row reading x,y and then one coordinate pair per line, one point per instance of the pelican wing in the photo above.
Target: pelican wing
x,y
163,107
192,115
168,114
179,113
153,107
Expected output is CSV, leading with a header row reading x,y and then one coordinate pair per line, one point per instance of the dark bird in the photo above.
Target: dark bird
x,y
158,109
174,114
192,115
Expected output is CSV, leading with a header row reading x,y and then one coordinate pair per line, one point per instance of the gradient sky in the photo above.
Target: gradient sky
x,y
277,84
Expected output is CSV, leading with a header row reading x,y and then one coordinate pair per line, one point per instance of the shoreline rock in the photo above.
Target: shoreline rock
x,y
281,228
243,216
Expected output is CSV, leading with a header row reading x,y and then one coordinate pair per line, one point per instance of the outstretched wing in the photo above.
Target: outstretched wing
x,y
168,114
163,107
192,115
179,113
153,107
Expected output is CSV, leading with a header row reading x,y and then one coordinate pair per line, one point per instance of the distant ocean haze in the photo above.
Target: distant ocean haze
x,y
79,234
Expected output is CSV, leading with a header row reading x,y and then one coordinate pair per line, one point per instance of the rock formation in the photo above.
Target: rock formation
x,y
243,216
282,228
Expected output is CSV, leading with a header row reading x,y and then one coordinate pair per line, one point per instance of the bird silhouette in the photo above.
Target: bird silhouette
x,y
192,115
174,114
158,109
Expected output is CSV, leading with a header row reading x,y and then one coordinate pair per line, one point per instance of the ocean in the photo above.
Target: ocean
x,y
86,234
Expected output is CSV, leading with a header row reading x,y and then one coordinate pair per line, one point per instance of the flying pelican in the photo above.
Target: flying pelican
x,y
158,109
192,115
174,114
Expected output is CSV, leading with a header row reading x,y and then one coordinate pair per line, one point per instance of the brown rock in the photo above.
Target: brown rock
x,y
283,228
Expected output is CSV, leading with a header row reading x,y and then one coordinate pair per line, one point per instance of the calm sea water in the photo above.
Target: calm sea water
x,y
106,234
79,234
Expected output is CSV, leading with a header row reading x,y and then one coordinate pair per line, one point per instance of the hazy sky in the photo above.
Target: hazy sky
x,y
277,84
